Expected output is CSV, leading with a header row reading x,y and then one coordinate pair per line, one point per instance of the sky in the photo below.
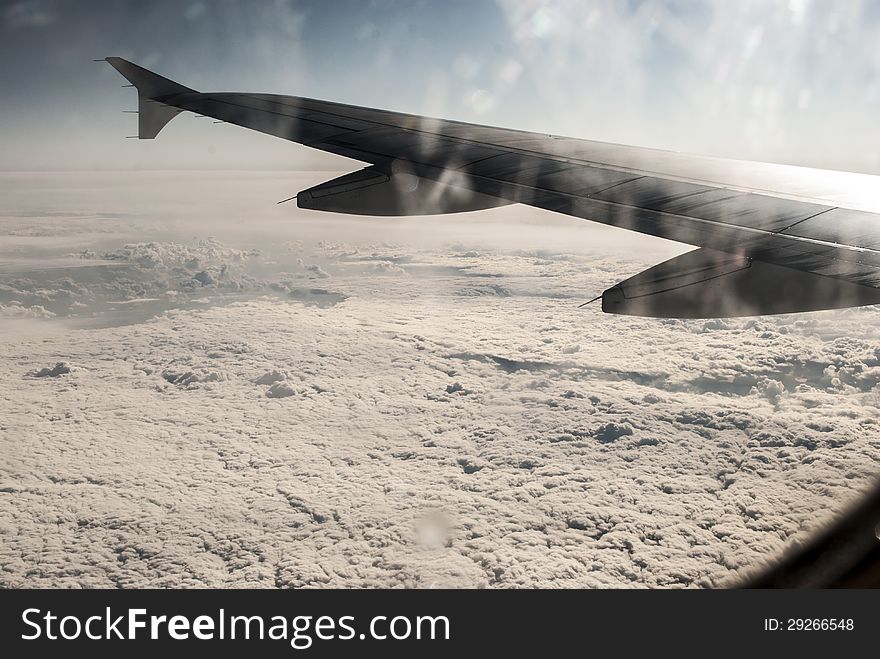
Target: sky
x,y
790,81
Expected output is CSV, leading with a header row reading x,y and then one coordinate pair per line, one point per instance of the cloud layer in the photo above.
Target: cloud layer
x,y
311,400
439,415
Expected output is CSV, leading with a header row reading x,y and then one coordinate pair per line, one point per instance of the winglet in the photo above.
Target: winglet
x,y
152,89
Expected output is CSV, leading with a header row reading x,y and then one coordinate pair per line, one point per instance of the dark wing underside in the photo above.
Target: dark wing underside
x,y
775,238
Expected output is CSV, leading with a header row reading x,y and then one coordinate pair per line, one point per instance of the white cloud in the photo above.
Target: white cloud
x,y
280,390
651,456
17,310
395,431
58,370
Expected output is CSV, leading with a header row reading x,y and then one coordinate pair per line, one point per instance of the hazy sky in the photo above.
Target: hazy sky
x,y
788,81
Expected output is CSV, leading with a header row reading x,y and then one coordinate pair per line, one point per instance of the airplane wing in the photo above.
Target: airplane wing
x,y
771,238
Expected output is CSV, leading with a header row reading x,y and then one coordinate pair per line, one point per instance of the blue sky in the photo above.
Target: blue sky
x,y
788,81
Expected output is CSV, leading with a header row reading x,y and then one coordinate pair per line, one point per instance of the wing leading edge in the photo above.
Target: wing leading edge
x,y
773,238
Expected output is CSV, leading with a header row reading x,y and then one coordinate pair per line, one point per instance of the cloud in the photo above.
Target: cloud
x,y
16,310
191,378
30,13
280,390
317,271
612,431
399,433
156,275
58,370
270,377
638,460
